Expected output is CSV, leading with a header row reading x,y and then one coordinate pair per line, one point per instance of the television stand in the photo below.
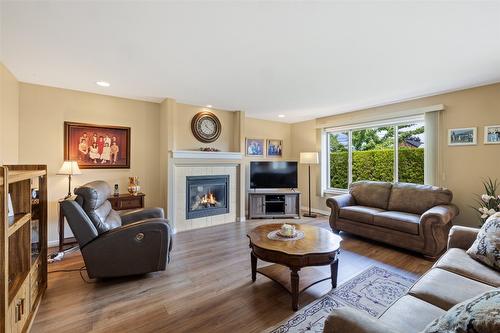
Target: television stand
x,y
264,203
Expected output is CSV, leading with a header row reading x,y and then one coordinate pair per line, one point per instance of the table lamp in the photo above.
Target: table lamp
x,y
309,158
69,168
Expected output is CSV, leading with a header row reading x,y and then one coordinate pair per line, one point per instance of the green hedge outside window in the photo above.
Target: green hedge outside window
x,y
377,165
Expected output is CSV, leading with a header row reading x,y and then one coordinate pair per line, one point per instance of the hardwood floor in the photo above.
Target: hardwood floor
x,y
206,288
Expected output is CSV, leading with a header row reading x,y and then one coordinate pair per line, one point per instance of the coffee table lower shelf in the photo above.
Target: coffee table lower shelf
x,y
307,277
280,274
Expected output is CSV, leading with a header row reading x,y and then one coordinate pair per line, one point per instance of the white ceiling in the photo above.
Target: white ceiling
x,y
301,59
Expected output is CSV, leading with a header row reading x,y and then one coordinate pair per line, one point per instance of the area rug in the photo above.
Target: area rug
x,y
371,291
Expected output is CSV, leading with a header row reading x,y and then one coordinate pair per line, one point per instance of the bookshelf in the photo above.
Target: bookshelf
x,y
23,245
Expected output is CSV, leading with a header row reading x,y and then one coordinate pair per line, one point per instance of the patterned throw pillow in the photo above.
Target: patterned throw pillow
x,y
480,314
486,247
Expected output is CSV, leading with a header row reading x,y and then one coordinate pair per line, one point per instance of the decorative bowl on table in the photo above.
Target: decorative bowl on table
x,y
287,230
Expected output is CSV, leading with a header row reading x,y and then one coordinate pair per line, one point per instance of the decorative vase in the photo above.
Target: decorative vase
x,y
133,185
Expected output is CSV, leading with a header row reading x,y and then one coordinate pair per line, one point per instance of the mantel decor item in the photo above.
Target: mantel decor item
x,y
492,134
97,146
309,158
209,149
462,136
206,127
133,185
69,168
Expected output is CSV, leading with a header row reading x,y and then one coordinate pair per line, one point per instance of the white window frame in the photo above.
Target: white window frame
x,y
325,147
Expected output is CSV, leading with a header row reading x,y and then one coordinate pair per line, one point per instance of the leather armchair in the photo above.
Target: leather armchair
x,y
113,244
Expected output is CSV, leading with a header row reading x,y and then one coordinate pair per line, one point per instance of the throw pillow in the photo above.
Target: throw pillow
x,y
480,314
486,247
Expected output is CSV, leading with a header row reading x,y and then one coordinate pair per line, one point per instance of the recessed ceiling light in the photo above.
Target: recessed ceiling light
x,y
281,116
209,105
103,83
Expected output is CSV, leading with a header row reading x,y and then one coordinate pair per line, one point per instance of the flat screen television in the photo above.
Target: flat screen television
x,y
273,174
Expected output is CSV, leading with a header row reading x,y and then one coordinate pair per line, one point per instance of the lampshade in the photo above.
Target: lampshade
x,y
309,158
69,168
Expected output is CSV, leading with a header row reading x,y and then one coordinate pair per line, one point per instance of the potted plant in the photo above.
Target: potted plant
x,y
489,202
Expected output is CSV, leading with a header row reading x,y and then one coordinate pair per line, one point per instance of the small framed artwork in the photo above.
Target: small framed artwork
x,y
97,146
255,147
274,148
492,134
462,136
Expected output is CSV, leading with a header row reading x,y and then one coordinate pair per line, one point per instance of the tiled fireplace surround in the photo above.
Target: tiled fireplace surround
x,y
197,164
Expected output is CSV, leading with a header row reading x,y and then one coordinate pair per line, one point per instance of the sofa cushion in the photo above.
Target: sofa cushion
x,y
477,314
371,194
400,221
359,213
457,261
410,314
444,289
416,199
486,247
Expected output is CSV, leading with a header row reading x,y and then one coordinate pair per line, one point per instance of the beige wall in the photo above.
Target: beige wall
x,y
184,138
461,168
9,117
264,129
305,138
43,111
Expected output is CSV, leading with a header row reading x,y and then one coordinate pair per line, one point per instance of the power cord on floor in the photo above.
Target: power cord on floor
x,y
58,256
80,270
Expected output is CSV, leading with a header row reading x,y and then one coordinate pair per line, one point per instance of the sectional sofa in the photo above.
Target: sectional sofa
x,y
454,278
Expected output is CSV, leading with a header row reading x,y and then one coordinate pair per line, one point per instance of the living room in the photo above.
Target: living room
x,y
250,167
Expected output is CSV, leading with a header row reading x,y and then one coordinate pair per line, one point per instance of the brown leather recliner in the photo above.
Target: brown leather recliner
x,y
113,244
411,216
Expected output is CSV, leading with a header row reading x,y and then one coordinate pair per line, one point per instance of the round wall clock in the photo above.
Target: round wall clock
x,y
206,127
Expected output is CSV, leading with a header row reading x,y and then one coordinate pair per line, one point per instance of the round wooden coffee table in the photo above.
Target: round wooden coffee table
x,y
319,247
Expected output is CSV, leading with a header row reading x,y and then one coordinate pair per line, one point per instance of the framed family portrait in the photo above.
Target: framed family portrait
x,y
462,136
274,148
97,146
492,134
255,147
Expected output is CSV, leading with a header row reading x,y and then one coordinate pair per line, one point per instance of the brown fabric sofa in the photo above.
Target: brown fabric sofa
x,y
411,216
454,278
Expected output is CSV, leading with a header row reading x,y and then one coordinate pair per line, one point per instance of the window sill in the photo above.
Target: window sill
x,y
334,192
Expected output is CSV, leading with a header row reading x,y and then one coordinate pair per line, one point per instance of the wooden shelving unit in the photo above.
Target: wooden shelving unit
x,y
23,245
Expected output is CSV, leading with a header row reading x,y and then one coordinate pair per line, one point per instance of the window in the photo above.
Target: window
x,y
385,152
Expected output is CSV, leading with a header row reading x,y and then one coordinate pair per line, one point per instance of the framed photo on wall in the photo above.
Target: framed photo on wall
x,y
274,148
462,136
255,147
97,146
492,134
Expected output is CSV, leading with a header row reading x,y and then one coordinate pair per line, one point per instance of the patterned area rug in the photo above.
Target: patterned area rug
x,y
371,291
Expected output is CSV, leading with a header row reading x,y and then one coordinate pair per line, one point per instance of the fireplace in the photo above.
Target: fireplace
x,y
206,196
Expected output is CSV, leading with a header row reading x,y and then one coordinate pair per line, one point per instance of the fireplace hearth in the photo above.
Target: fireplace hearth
x,y
207,196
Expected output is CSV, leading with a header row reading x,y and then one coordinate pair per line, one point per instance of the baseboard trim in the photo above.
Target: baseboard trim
x,y
315,210
53,243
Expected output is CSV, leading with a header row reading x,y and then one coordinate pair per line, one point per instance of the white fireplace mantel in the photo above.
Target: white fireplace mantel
x,y
208,155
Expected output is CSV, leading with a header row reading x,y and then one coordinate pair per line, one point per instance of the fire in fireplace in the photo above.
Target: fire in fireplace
x,y
206,201
207,196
